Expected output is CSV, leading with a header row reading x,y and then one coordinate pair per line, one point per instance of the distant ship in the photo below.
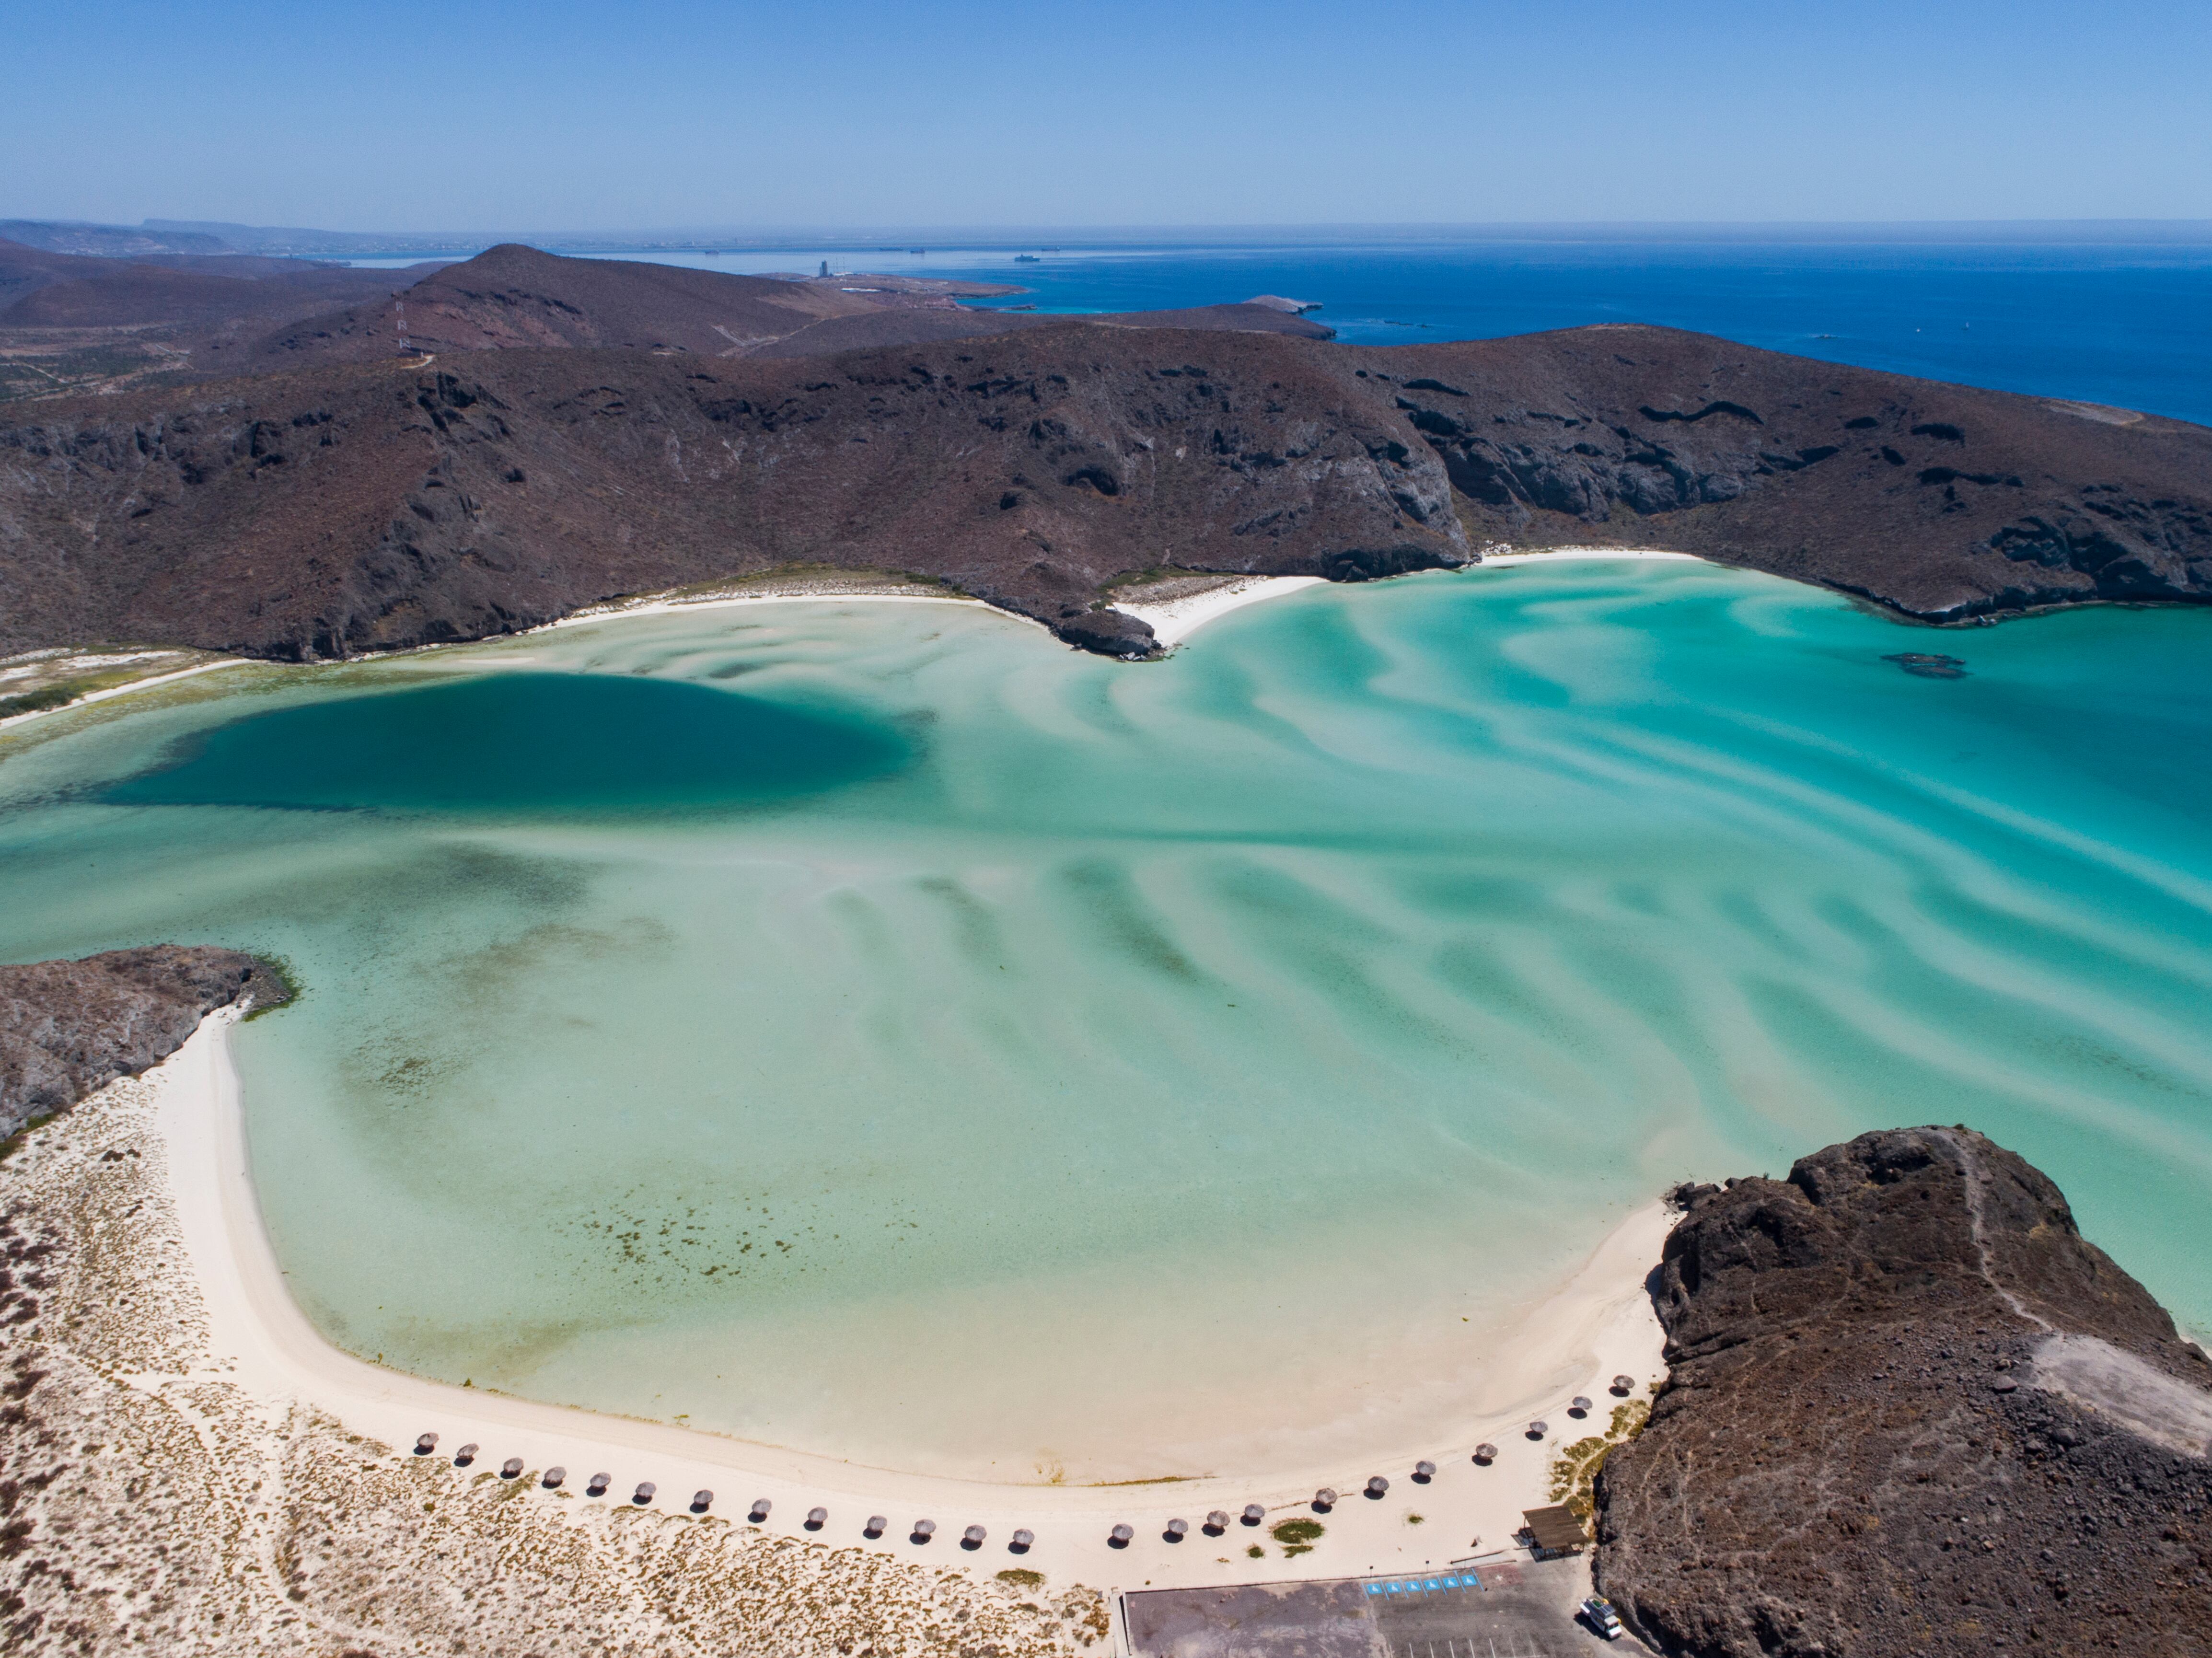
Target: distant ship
x,y
917,250
1027,258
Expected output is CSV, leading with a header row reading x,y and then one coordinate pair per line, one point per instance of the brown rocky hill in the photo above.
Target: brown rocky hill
x,y
516,297
68,1028
362,505
357,506
63,291
513,297
1910,1411
1942,501
910,327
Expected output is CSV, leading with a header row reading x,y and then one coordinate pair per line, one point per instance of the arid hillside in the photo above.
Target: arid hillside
x,y
1943,501
68,291
513,296
353,507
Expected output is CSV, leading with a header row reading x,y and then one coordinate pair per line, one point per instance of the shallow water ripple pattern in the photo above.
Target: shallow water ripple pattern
x,y
1061,1069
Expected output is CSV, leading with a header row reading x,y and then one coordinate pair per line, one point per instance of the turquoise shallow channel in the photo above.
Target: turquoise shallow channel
x,y
873,1029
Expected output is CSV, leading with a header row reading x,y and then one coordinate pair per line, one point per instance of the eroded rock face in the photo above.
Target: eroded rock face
x,y
1946,502
66,1027
1911,1411
347,507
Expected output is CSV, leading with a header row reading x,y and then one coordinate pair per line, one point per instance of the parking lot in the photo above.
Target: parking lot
x,y
1503,1608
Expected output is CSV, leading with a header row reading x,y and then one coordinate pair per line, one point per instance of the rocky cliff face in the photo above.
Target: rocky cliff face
x,y
1945,502
68,1028
1911,1411
357,506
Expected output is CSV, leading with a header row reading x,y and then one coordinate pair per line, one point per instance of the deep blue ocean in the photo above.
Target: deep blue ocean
x,y
2105,323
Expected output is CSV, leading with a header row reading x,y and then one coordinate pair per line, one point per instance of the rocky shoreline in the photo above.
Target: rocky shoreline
x,y
68,1028
1910,1411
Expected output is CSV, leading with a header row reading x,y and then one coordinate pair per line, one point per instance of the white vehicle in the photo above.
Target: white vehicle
x,y
1598,1611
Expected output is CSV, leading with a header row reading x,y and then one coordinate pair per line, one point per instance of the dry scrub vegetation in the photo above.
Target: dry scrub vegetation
x,y
147,1505
1574,1475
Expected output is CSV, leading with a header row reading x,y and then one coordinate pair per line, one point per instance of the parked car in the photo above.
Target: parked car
x,y
1598,1611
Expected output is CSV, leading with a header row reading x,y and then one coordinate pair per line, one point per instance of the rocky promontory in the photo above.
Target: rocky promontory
x,y
559,433
70,1028
1911,1411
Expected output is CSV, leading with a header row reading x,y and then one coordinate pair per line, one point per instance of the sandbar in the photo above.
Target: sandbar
x,y
147,683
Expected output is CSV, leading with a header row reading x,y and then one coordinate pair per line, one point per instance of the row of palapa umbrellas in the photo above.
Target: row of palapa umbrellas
x,y
1216,1522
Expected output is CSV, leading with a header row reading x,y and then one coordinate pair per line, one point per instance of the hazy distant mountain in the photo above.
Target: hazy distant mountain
x,y
107,241
289,241
173,291
514,297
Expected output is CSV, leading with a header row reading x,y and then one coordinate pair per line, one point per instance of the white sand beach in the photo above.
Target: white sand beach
x,y
666,606
258,1341
1174,620
1509,558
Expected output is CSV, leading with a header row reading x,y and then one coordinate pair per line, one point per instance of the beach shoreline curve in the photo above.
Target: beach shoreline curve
x,y
260,1340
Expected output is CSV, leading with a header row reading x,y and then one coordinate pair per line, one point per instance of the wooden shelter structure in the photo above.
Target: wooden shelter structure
x,y
1554,1531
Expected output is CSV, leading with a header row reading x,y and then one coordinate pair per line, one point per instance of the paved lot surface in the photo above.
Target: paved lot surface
x,y
1504,1609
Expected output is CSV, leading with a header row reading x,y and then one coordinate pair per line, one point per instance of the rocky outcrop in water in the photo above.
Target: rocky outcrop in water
x,y
69,1028
1911,1411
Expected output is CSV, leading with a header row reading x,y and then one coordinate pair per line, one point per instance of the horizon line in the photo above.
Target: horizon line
x,y
863,229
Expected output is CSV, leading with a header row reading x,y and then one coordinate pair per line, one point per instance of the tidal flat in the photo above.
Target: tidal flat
x,y
878,1031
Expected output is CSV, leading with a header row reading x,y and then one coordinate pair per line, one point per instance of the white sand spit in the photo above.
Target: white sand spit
x,y
112,691
1506,557
1174,620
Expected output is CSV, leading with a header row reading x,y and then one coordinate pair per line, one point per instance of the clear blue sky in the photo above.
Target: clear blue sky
x,y
552,115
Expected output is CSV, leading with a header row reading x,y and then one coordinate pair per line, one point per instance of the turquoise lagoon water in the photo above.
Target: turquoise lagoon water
x,y
877,1030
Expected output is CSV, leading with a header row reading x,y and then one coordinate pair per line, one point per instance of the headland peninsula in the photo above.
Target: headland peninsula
x,y
549,434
